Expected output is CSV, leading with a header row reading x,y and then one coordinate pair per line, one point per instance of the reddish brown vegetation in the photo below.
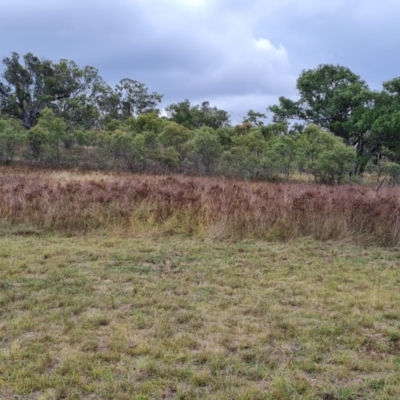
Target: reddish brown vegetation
x,y
192,205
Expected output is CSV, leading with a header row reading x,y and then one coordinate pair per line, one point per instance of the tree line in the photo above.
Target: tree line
x,y
59,113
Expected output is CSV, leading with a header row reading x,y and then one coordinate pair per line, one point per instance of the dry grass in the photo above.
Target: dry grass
x,y
123,309
71,202
150,317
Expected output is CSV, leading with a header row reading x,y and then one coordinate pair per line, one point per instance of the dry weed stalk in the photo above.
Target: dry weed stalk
x,y
71,202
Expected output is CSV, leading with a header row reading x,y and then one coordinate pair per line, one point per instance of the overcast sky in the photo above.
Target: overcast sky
x,y
237,54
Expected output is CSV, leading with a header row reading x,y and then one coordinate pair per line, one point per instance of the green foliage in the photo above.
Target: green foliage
x,y
246,159
78,112
149,122
174,138
383,121
129,98
275,129
336,164
324,156
334,98
197,116
102,144
114,124
204,151
46,137
224,136
74,117
171,159
393,170
37,140
329,95
282,152
175,135
252,157
35,84
255,118
12,135
136,152
134,98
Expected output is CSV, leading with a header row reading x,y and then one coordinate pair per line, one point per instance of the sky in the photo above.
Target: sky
x,y
236,54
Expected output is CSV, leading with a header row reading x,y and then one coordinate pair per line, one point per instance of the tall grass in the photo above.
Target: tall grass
x,y
69,202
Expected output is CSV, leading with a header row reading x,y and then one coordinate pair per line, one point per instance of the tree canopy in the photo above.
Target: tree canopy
x,y
35,84
197,116
58,112
77,94
338,100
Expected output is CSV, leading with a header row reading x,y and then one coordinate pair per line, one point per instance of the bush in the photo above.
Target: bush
x,y
12,135
393,170
324,156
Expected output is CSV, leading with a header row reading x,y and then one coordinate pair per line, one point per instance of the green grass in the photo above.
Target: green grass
x,y
152,317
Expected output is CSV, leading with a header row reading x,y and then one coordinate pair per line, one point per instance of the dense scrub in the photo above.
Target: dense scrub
x,y
153,145
70,202
59,114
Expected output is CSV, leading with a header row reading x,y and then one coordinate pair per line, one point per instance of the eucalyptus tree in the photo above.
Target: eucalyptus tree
x,y
204,151
255,118
334,98
12,135
129,98
30,85
324,156
197,116
384,120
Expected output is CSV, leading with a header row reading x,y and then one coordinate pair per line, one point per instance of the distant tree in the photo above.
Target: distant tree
x,y
181,113
273,130
204,151
255,118
332,97
46,137
79,112
176,136
150,122
324,156
393,170
170,159
224,136
282,151
246,158
212,116
12,135
28,88
197,116
383,120
129,98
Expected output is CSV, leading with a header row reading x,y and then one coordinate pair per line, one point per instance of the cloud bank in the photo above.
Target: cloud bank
x,y
239,55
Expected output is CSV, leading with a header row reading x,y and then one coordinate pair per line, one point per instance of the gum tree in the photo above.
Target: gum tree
x,y
334,98
30,85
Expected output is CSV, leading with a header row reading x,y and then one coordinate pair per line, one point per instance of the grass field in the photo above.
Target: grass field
x,y
153,316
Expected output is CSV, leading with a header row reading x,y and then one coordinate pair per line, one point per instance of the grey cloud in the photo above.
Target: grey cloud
x,y
362,35
183,51
233,53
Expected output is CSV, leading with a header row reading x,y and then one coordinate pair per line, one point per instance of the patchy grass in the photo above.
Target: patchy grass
x,y
152,317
